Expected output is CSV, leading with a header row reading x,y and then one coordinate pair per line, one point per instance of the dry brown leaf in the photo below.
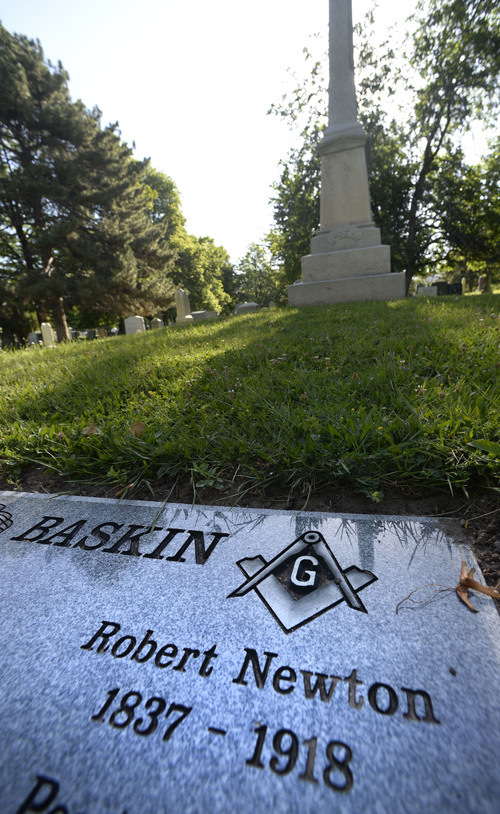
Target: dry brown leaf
x,y
91,429
464,573
484,589
463,594
466,583
137,429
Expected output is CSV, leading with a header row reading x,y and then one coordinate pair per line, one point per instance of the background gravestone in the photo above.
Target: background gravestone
x,y
160,658
48,337
134,324
182,306
246,307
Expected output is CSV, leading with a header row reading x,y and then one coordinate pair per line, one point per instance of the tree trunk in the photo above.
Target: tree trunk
x,y
437,131
60,323
41,313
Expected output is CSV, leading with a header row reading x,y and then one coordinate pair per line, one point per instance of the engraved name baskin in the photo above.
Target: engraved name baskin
x,y
121,538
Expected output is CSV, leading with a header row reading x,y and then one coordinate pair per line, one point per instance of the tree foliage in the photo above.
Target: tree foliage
x,y
75,224
258,281
200,267
165,202
296,194
466,203
457,55
82,224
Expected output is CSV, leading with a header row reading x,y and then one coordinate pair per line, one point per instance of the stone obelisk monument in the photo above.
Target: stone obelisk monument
x,y
347,261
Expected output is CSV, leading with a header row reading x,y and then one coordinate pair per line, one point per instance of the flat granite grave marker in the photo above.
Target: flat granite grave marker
x,y
163,658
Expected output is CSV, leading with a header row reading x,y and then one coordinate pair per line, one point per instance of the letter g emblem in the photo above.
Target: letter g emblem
x,y
304,577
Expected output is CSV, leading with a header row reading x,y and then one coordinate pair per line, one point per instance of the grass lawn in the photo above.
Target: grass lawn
x,y
367,395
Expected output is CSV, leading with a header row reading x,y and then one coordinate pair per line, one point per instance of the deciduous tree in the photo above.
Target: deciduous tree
x,y
466,203
258,281
200,267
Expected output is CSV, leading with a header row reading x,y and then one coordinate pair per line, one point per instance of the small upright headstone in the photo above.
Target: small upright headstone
x,y
427,291
47,334
202,315
182,306
246,307
134,325
102,333
156,323
483,284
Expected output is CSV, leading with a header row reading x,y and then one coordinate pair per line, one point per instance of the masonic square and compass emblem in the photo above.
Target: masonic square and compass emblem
x,y
303,581
5,519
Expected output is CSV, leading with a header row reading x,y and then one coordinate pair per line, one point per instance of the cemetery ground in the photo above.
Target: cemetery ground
x,y
390,407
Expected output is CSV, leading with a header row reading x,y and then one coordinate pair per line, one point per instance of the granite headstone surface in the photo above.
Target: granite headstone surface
x,y
165,658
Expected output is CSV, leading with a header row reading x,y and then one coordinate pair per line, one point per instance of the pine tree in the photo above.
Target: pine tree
x,y
75,224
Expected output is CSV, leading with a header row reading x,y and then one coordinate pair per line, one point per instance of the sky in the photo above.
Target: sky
x,y
190,82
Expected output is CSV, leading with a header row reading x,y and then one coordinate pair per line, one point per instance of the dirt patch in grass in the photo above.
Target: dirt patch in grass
x,y
474,521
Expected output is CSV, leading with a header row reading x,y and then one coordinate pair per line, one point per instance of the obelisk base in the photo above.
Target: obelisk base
x,y
348,289
358,268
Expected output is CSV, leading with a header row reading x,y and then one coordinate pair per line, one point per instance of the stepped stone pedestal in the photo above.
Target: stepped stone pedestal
x,y
347,264
347,260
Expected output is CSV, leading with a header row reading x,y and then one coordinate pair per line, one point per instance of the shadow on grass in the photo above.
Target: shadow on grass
x,y
343,393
